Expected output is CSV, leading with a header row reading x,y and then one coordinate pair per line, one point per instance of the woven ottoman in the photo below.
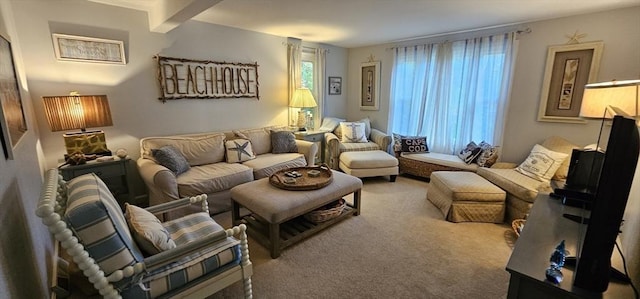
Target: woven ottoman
x,y
369,163
466,197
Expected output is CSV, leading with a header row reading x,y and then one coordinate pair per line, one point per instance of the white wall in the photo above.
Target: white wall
x,y
25,244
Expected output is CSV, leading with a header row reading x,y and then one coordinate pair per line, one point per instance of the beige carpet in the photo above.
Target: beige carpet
x,y
399,247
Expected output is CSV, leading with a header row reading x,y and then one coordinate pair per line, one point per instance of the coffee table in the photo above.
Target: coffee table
x,y
276,220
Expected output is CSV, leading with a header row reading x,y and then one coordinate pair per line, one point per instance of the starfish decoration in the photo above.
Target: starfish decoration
x,y
575,38
371,58
240,149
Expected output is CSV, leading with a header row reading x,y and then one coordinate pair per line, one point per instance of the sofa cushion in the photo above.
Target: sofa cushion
x,y
212,178
265,165
542,163
171,158
283,142
239,150
260,139
97,221
147,230
360,146
198,149
561,145
518,184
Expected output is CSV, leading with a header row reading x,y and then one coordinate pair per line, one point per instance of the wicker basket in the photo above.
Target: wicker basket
x,y
518,225
327,212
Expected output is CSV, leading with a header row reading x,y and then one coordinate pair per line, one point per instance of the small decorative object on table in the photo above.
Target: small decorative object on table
x,y
327,212
121,153
554,272
518,225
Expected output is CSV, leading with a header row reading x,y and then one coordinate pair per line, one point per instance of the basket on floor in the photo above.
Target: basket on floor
x,y
327,212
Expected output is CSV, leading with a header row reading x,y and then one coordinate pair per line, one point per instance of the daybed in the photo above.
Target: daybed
x,y
208,170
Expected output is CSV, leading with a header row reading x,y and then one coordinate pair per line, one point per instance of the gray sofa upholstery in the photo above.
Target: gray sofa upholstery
x,y
209,172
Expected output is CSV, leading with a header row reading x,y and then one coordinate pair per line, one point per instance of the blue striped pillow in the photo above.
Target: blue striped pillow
x,y
97,221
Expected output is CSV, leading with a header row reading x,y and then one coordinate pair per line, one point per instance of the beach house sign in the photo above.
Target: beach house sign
x,y
204,79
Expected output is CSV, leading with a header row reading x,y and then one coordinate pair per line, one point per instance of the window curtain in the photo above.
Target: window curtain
x,y
452,92
294,60
320,83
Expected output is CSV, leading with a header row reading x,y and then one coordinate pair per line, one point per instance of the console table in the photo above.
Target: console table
x,y
543,231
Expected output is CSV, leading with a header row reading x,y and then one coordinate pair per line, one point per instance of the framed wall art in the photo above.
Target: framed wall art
x,y
335,85
569,68
88,49
370,85
12,120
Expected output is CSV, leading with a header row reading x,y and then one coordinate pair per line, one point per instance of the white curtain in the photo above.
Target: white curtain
x,y
320,84
452,92
294,60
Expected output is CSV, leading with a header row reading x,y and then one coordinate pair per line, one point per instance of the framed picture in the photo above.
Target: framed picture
x,y
569,68
88,49
335,85
370,85
12,118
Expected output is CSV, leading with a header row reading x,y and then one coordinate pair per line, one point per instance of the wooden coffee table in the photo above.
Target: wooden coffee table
x,y
276,219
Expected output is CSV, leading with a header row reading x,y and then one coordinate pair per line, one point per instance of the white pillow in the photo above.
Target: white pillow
x,y
541,163
147,230
353,132
239,150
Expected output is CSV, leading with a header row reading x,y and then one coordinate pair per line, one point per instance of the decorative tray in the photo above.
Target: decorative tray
x,y
302,178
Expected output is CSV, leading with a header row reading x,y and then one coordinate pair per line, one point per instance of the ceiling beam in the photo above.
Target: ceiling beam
x,y
165,15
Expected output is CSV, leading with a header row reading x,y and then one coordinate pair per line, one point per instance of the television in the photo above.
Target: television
x,y
593,268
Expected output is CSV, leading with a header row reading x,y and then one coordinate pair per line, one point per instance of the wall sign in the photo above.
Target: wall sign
x,y
204,79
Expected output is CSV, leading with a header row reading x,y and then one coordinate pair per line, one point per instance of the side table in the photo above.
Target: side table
x,y
313,136
113,173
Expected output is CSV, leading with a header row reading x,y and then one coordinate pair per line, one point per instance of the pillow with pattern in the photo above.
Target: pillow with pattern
x,y
170,157
541,163
414,144
470,152
488,156
239,150
397,142
147,230
353,132
283,142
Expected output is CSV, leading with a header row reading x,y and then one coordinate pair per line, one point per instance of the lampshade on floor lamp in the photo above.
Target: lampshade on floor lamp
x,y
74,112
302,98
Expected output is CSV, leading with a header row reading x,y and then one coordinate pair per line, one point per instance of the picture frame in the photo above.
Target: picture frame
x,y
370,85
568,69
88,49
12,119
335,85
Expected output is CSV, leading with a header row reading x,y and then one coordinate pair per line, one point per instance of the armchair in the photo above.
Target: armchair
x,y
89,224
377,140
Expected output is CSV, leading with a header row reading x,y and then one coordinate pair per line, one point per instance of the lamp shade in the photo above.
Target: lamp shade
x,y
614,95
77,112
302,98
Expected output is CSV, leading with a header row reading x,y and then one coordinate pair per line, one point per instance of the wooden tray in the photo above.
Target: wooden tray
x,y
305,182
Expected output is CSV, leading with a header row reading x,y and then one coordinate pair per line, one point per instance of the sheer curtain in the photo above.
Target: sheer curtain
x,y
452,92
294,60
319,84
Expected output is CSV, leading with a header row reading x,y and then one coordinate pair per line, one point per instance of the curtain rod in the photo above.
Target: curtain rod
x,y
526,30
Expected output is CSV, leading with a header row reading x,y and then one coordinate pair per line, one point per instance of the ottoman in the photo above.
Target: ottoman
x,y
369,163
466,196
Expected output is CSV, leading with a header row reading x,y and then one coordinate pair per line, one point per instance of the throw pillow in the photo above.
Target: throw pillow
x,y
170,157
488,156
353,132
559,144
470,152
541,163
414,144
239,150
147,230
397,142
283,142
367,126
260,139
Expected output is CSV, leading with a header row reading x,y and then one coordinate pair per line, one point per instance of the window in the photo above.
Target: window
x,y
452,92
307,71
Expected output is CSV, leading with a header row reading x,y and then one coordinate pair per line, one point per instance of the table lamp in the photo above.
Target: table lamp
x,y
302,98
607,99
80,112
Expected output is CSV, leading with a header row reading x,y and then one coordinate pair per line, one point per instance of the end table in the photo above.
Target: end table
x,y
313,136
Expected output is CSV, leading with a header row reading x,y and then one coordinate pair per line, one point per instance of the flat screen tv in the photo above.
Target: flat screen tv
x,y
614,184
